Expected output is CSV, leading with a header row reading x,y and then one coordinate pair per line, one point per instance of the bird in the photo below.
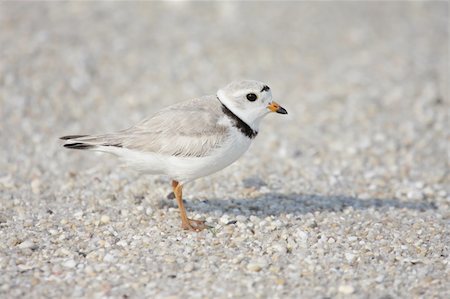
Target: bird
x,y
190,139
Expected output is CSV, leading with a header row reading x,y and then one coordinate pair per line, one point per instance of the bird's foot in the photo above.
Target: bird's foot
x,y
194,225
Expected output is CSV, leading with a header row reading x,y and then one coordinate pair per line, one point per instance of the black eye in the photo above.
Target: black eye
x,y
251,97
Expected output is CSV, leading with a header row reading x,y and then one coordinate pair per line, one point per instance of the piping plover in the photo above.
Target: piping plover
x,y
191,139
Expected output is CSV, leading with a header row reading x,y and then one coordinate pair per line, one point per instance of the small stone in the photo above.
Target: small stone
x,y
104,219
52,231
170,259
442,193
428,191
350,257
109,258
26,244
36,186
419,185
238,259
241,218
254,267
254,219
189,267
4,287
7,182
24,267
122,243
63,252
352,238
224,219
346,289
279,247
415,195
89,270
379,278
78,215
302,236
70,264
312,223
263,224
280,281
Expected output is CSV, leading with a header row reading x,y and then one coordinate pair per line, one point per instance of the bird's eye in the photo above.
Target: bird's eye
x,y
251,97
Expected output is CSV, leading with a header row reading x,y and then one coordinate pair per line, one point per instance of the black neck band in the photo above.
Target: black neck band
x,y
239,123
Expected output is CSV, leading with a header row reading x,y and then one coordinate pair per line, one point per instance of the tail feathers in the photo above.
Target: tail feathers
x,y
86,142
79,145
68,137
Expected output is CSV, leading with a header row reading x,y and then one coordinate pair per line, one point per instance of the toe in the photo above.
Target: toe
x,y
194,225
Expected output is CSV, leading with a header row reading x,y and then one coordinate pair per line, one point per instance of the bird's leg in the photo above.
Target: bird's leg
x,y
178,191
186,223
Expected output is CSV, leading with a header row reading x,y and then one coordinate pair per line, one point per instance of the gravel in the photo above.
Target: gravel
x,y
345,197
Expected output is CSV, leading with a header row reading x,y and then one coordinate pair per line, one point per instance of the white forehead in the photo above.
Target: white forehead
x,y
238,87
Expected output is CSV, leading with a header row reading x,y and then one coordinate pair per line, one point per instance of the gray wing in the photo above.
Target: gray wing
x,y
188,129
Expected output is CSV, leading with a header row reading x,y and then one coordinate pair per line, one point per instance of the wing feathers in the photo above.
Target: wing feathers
x,y
189,129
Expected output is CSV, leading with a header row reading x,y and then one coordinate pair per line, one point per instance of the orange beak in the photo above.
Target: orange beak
x,y
275,107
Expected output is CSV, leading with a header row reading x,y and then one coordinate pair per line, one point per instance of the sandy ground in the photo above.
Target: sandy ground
x,y
345,197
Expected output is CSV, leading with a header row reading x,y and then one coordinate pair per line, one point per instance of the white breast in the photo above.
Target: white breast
x,y
186,169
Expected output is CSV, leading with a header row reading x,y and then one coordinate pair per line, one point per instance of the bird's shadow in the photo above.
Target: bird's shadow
x,y
272,204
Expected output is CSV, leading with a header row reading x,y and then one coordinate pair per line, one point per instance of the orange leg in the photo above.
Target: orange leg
x,y
186,223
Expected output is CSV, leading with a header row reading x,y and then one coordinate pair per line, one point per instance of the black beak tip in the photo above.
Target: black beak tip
x,y
281,110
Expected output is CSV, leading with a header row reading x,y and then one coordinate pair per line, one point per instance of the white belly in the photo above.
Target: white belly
x,y
185,169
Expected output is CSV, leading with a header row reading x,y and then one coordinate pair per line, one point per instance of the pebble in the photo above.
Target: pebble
x,y
36,186
254,267
379,278
350,257
63,252
241,218
224,219
279,248
70,264
189,267
78,215
415,195
7,182
257,265
255,219
89,270
346,289
122,243
104,219
52,232
4,287
170,259
352,238
109,258
26,244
